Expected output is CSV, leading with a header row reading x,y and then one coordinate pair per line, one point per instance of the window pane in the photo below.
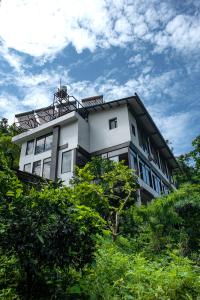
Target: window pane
x,y
48,142
133,159
29,147
46,168
39,146
66,162
133,129
37,167
27,168
113,123
114,158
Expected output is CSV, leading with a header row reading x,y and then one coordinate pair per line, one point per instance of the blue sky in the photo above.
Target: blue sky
x,y
109,47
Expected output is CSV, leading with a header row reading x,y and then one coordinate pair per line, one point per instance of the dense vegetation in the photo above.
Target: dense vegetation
x,y
91,240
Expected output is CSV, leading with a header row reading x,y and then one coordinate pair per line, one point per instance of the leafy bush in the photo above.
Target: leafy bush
x,y
118,275
48,234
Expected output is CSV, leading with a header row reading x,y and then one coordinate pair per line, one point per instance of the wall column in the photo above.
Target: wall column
x,y
54,153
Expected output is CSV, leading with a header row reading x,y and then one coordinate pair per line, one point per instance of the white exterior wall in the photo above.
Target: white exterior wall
x,y
84,134
101,136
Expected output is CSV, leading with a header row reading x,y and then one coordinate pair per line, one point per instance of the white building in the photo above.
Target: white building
x,y
68,133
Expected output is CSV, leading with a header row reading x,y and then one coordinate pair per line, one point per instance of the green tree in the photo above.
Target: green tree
x,y
8,149
108,187
47,233
190,165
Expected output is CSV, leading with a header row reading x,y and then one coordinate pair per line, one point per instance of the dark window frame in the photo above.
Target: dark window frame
x,y
37,161
48,158
112,122
133,129
41,138
25,166
62,172
31,141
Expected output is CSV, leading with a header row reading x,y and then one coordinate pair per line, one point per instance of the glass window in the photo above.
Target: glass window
x,y
113,123
27,168
37,167
29,147
145,173
133,159
66,162
133,129
43,144
48,142
114,158
46,168
156,183
39,145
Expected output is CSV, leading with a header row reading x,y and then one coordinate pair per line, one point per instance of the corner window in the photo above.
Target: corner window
x,y
133,129
27,168
29,147
66,162
113,123
37,167
43,144
46,168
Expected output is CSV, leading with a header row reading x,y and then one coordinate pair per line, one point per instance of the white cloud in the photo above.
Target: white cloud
x,y
181,33
15,61
42,28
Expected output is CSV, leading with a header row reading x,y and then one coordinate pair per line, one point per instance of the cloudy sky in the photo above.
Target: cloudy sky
x,y
109,47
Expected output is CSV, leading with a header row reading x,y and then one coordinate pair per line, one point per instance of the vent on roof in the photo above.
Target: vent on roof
x,y
91,101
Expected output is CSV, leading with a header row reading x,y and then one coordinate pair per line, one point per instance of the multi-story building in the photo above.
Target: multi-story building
x,y
59,137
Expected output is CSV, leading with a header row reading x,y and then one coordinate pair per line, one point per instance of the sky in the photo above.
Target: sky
x,y
109,47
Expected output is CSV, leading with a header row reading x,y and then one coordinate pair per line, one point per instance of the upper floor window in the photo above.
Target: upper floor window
x,y
133,161
113,123
66,162
133,129
43,144
29,147
145,173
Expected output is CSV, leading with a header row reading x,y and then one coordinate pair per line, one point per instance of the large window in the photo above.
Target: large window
x,y
113,123
37,167
133,159
43,144
145,173
66,162
143,140
156,183
155,155
27,168
46,168
29,147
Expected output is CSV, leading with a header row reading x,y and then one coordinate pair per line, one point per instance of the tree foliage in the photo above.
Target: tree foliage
x,y
91,240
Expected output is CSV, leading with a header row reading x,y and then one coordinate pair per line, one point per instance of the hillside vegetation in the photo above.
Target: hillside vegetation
x,y
91,240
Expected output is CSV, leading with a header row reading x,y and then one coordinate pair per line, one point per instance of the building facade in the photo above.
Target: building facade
x,y
59,137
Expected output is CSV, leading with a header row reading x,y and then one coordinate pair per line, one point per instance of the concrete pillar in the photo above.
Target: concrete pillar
x,y
54,153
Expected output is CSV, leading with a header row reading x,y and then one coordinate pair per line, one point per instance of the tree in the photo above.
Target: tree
x,y
190,164
108,187
10,151
49,234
